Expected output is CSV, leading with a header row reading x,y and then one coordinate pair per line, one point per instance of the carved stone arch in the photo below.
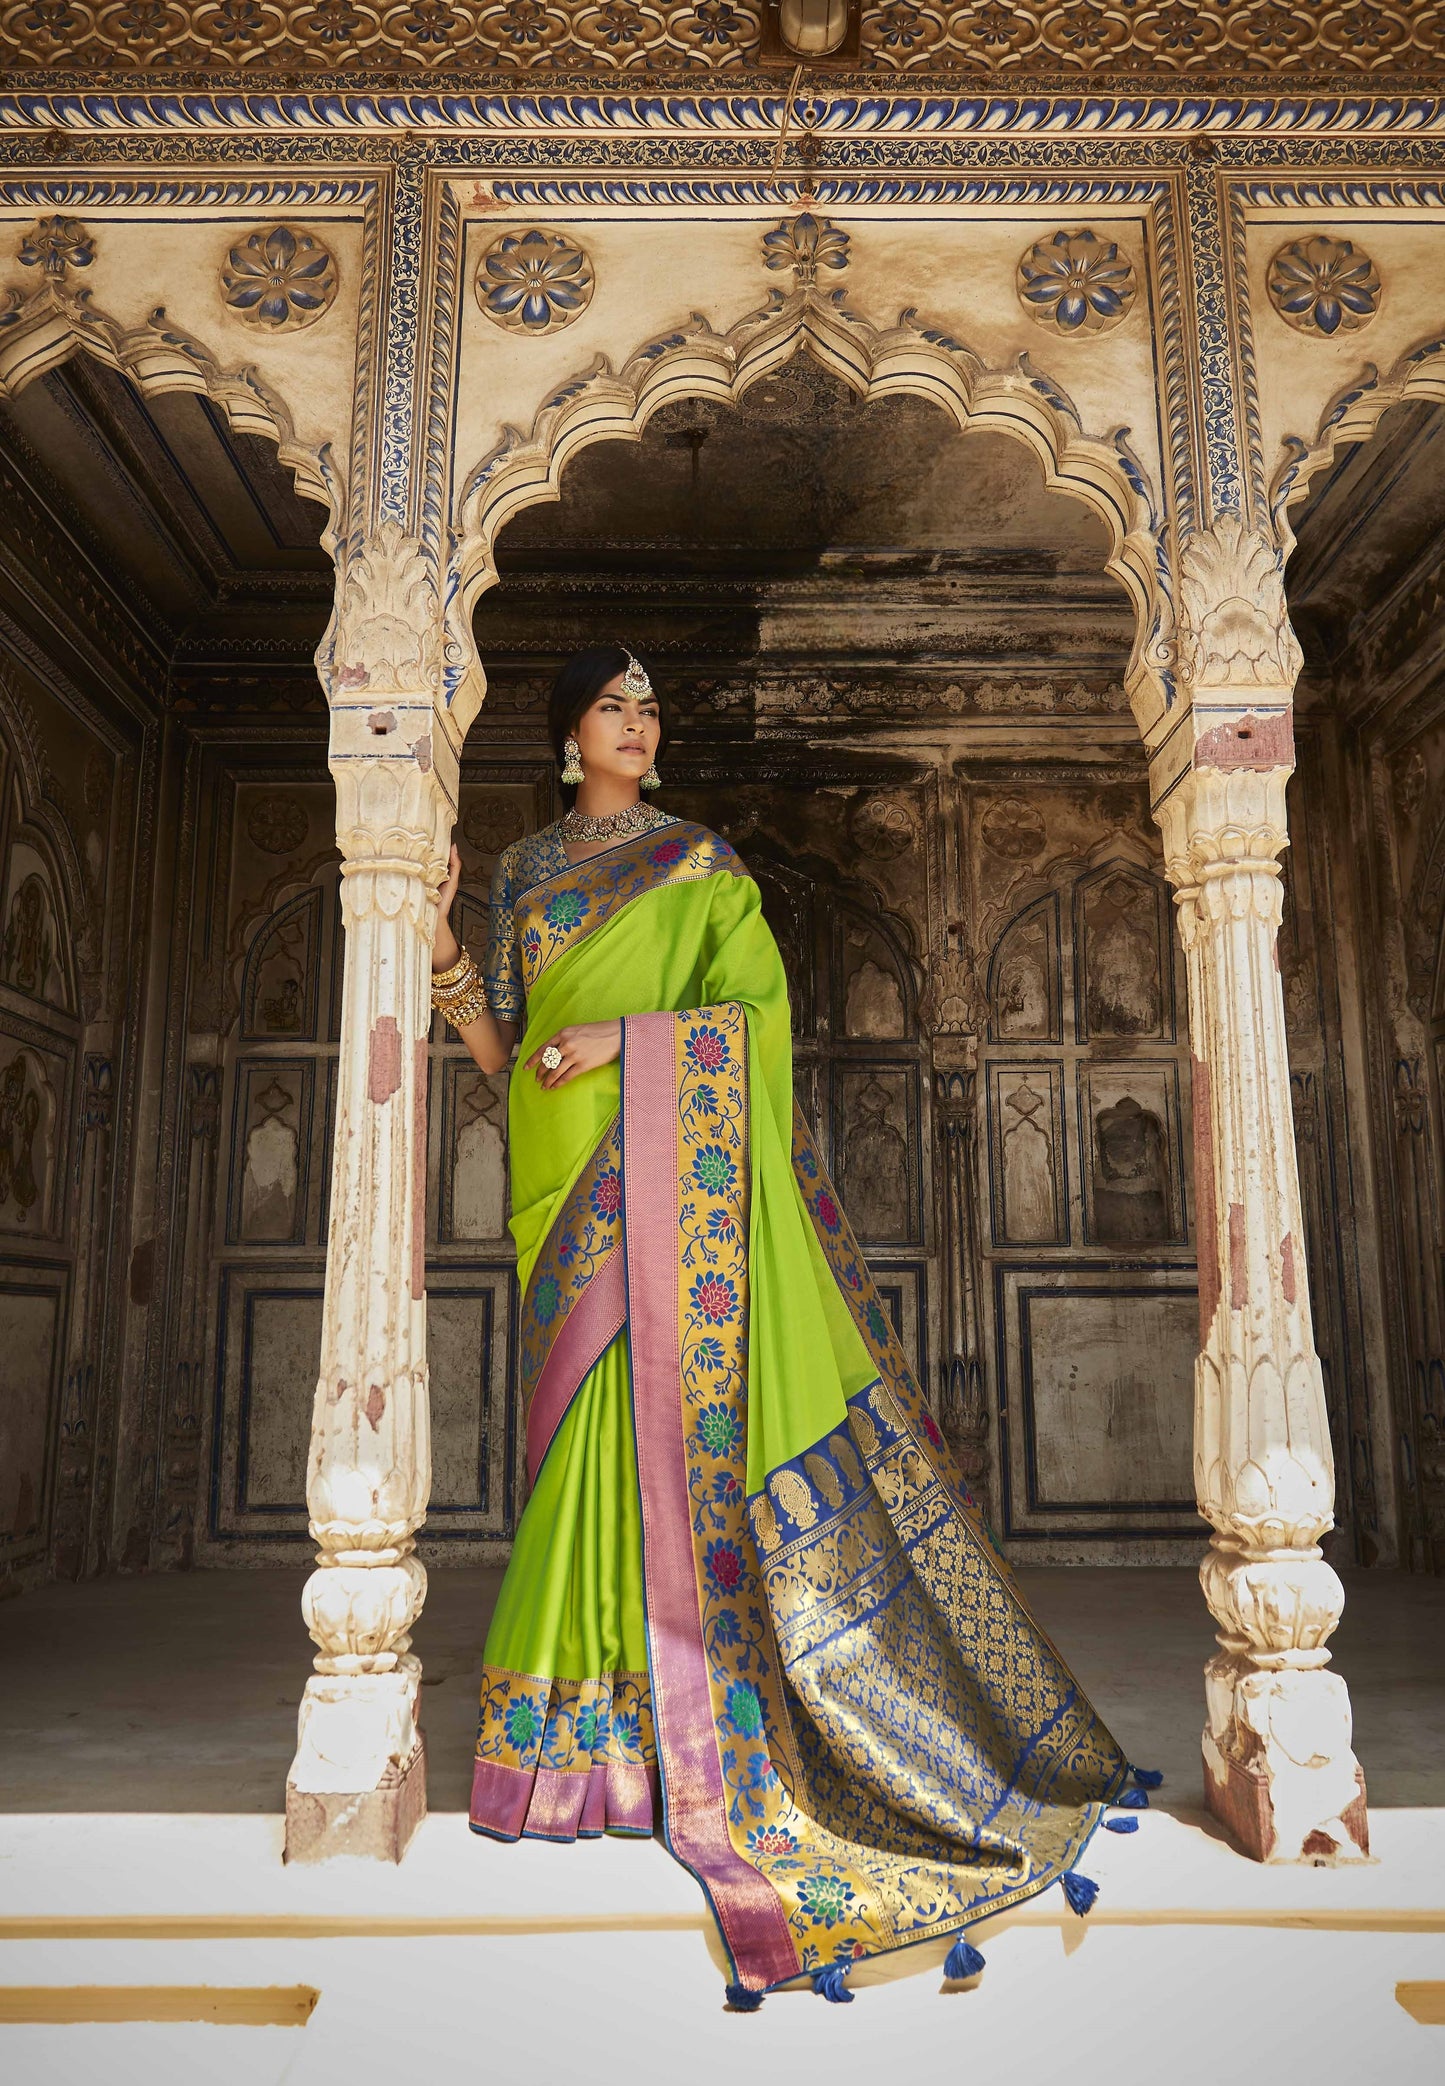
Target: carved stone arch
x,y
39,808
304,897
41,331
1352,415
1123,952
696,362
1025,974
43,825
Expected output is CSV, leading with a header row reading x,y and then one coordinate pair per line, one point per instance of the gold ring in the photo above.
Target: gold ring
x,y
551,1058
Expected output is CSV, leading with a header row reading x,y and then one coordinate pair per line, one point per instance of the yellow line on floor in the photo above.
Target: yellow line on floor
x,y
1424,2002
245,2006
345,1926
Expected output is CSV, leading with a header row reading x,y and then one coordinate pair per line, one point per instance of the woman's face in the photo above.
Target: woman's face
x,y
619,734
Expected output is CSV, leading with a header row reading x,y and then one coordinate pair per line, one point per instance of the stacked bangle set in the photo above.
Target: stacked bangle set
x,y
459,993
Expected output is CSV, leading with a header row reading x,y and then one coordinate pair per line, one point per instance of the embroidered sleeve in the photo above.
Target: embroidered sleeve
x,y
503,973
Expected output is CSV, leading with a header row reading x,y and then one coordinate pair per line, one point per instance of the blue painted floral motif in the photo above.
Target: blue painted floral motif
x,y
546,1298
606,1197
726,1629
535,281
279,279
1324,285
1076,281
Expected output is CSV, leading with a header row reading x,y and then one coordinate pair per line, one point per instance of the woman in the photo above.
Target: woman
x,y
750,1600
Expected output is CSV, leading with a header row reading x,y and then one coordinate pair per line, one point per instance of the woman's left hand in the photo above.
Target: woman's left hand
x,y
584,1046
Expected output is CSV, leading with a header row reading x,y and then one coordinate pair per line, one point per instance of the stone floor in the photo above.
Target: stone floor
x,y
179,1692
145,1729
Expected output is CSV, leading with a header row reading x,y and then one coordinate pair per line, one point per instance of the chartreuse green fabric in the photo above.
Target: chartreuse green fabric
x,y
691,944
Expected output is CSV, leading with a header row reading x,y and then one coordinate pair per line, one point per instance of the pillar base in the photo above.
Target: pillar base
x,y
378,1823
358,1782
1279,1772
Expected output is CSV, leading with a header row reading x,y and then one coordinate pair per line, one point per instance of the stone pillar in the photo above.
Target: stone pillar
x,y
357,1785
1279,1769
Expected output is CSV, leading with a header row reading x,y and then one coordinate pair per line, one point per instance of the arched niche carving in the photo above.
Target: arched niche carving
x,y
1123,956
697,362
1025,976
1352,415
286,963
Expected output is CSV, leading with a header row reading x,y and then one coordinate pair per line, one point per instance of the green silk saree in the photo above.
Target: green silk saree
x,y
750,1602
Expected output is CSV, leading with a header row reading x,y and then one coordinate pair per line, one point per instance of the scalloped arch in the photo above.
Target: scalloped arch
x,y
1352,415
695,362
40,332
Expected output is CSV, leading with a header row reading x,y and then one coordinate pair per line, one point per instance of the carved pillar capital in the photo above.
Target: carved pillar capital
x,y
1233,629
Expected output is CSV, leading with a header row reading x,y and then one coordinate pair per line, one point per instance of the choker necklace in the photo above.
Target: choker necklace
x,y
615,825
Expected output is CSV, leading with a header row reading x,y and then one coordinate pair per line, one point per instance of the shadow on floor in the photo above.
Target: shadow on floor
x,y
179,1692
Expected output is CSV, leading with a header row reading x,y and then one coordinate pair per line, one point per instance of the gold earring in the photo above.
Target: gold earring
x,y
651,780
571,762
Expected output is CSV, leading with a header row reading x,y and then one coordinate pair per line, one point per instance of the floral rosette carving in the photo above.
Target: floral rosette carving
x,y
279,279
534,282
1076,282
1323,285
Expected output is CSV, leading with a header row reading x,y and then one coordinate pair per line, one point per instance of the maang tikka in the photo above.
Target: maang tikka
x,y
636,684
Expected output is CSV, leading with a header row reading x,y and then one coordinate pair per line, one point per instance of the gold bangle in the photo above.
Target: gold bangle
x,y
440,980
442,995
465,1008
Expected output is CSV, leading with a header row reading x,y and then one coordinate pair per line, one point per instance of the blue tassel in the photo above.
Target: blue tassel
x,y
1080,1891
1147,1777
1121,1825
832,1984
739,2000
963,1960
1133,1799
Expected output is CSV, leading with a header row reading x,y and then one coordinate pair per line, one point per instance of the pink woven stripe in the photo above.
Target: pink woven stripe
x,y
614,1796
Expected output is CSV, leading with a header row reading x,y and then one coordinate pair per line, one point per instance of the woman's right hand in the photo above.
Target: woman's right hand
x,y
446,950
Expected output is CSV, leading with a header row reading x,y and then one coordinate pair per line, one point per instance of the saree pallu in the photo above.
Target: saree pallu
x,y
751,1601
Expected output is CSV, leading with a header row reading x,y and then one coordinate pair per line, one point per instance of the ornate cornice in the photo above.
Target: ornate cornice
x,y
901,39
1232,119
